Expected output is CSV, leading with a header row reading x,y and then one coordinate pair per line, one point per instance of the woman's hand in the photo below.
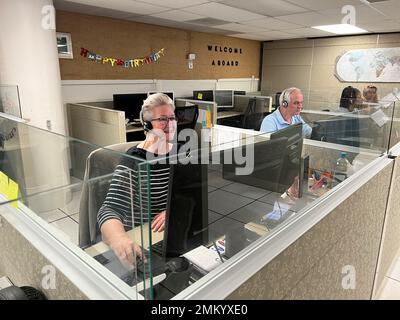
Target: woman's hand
x,y
158,223
125,248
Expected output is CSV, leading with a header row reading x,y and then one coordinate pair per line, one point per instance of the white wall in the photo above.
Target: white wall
x,y
29,59
103,90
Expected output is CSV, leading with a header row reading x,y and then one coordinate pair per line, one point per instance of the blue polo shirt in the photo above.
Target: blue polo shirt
x,y
275,122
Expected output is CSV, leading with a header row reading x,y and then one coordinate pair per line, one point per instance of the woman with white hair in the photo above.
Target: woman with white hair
x,y
121,210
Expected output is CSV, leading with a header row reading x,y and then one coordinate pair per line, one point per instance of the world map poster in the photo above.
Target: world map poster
x,y
369,65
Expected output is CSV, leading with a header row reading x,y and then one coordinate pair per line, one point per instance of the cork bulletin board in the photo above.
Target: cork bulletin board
x,y
217,57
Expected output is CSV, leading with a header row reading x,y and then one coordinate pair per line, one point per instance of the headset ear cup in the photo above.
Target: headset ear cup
x,y
148,126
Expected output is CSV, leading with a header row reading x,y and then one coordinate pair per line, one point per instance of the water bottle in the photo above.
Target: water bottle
x,y
341,170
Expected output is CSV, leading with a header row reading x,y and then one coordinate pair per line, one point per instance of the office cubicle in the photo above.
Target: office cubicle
x,y
242,222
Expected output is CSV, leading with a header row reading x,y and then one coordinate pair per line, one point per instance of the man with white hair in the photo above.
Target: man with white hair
x,y
288,113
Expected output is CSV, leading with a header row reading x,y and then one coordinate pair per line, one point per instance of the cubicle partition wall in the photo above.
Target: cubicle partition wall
x,y
260,242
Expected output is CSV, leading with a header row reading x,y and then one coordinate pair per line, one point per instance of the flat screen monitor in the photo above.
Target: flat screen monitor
x,y
294,146
168,93
239,92
130,103
224,98
276,161
204,95
340,130
186,225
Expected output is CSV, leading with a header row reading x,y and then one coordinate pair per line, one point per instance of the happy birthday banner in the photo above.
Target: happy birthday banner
x,y
126,63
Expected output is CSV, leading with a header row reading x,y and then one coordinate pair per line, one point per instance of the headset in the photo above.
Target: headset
x,y
285,96
147,125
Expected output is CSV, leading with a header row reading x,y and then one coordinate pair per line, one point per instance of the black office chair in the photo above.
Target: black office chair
x,y
253,116
186,117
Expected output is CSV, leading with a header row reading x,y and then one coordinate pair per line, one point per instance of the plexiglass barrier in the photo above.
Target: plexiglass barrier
x,y
155,223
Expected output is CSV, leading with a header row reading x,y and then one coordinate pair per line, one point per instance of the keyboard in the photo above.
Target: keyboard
x,y
157,248
131,277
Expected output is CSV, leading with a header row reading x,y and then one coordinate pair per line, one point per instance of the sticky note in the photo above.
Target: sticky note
x,y
199,96
3,183
208,118
12,192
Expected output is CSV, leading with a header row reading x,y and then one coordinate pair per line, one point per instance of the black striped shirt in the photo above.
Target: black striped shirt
x,y
127,197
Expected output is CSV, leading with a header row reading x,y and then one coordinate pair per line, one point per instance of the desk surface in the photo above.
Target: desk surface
x,y
228,114
135,234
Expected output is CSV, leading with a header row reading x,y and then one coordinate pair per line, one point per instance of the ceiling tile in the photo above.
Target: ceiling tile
x,y
175,4
390,8
269,8
309,32
317,5
91,10
124,5
363,13
252,36
272,24
308,19
223,12
177,15
382,26
209,22
238,27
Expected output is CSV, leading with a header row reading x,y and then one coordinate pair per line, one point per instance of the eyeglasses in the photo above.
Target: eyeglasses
x,y
164,119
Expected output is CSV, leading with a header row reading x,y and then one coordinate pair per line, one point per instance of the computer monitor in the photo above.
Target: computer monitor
x,y
223,98
130,103
294,147
239,92
186,224
343,130
205,95
168,93
276,161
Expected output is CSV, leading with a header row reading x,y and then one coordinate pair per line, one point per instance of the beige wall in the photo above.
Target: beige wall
x,y
127,39
311,268
391,235
23,264
310,64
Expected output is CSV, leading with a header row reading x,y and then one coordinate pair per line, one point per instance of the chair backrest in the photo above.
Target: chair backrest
x,y
253,116
100,162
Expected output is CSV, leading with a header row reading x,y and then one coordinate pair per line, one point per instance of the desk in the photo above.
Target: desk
x,y
228,114
135,234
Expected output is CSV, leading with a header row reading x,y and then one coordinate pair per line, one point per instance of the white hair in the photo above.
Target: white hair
x,y
286,95
153,101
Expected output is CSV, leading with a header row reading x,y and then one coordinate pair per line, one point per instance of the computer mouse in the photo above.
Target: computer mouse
x,y
178,264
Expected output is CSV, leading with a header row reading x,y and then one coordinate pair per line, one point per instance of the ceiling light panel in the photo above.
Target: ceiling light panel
x,y
125,5
177,15
223,12
341,29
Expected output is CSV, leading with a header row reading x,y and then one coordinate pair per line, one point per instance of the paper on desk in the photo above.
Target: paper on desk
x,y
203,258
379,117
